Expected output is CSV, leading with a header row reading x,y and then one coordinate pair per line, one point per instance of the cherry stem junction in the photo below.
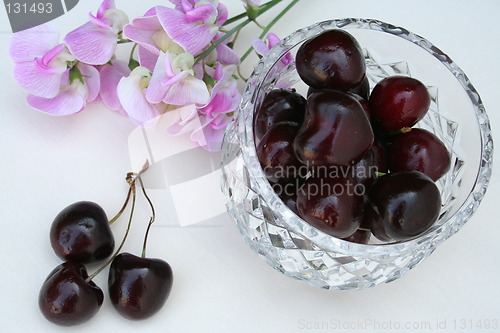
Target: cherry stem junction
x,y
131,180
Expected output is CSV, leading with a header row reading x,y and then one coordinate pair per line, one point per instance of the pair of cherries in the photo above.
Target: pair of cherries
x,y
343,137
81,234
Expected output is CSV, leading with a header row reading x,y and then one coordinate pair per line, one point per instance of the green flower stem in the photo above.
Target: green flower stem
x,y
269,26
132,63
271,4
124,41
259,25
244,14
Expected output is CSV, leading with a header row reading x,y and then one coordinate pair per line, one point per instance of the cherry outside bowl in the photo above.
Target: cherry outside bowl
x,y
298,250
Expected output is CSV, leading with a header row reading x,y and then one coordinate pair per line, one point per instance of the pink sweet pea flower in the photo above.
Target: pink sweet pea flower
x,y
174,81
95,42
149,34
207,123
263,49
193,24
75,91
224,53
285,81
40,61
132,96
110,77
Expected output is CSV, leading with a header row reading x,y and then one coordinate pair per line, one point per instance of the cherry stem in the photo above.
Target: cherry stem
x,y
132,187
131,179
117,216
151,220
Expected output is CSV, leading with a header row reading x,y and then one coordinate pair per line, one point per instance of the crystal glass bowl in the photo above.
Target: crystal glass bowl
x,y
298,250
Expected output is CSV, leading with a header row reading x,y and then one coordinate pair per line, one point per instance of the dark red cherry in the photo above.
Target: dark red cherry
x,y
397,102
375,160
360,236
276,154
332,205
357,97
374,222
336,131
66,298
139,287
81,233
408,203
363,90
419,150
279,105
363,103
333,59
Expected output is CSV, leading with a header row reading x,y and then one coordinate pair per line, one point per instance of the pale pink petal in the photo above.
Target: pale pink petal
x,y
110,77
221,121
287,59
187,5
223,14
106,5
147,59
131,95
187,113
99,22
227,73
273,39
208,137
220,103
51,54
28,44
35,82
156,91
260,47
193,37
218,73
151,12
198,70
67,102
226,55
91,45
142,30
169,81
91,77
203,13
188,91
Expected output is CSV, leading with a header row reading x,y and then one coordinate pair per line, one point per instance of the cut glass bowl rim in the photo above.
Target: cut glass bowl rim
x,y
299,226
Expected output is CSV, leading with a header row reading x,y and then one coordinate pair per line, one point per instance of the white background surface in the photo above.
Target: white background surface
x,y
220,284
